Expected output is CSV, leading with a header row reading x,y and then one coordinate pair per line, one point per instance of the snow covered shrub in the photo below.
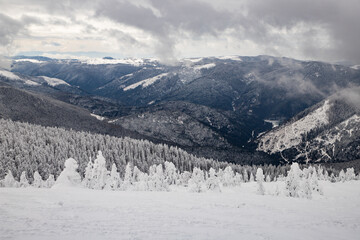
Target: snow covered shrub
x,y
196,182
38,182
212,182
293,181
260,180
350,174
24,182
69,177
9,181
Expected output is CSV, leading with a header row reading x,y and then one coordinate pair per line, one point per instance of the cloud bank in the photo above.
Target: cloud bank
x,y
325,30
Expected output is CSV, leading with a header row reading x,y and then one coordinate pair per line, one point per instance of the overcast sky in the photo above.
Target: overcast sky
x,y
327,30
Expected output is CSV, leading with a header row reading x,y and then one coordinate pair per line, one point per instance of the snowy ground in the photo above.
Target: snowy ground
x,y
233,214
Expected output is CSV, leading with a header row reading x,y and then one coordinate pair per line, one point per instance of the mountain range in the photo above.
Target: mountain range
x,y
237,109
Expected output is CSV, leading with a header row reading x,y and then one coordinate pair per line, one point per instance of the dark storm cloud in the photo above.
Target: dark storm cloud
x,y
313,29
9,28
339,18
168,20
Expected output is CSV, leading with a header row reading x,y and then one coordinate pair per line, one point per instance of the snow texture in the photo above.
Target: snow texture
x,y
147,82
205,66
97,117
238,213
13,76
290,135
54,81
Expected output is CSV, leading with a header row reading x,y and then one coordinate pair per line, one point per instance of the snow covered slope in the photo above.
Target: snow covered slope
x,y
54,81
290,135
32,213
329,131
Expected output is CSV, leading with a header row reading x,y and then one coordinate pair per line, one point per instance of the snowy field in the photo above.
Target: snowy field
x,y
235,213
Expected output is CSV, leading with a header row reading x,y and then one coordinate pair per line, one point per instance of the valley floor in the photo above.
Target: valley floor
x,y
237,213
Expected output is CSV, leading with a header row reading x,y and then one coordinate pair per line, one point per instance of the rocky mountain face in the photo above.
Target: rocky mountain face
x,y
209,106
326,132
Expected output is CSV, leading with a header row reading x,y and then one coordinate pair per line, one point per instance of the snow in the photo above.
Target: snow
x,y
356,67
274,123
130,61
237,213
9,75
29,60
13,76
147,82
54,81
290,135
97,117
29,82
205,66
234,58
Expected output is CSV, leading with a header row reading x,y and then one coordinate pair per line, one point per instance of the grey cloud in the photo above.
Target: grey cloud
x,y
196,18
338,18
9,28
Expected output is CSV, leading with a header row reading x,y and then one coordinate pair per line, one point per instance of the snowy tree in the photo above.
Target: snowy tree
x,y
228,178
157,180
128,177
113,182
212,182
100,173
38,182
305,191
342,176
69,177
251,178
238,179
332,178
260,180
50,181
315,184
170,173
24,182
293,181
268,179
196,182
88,179
350,174
9,180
